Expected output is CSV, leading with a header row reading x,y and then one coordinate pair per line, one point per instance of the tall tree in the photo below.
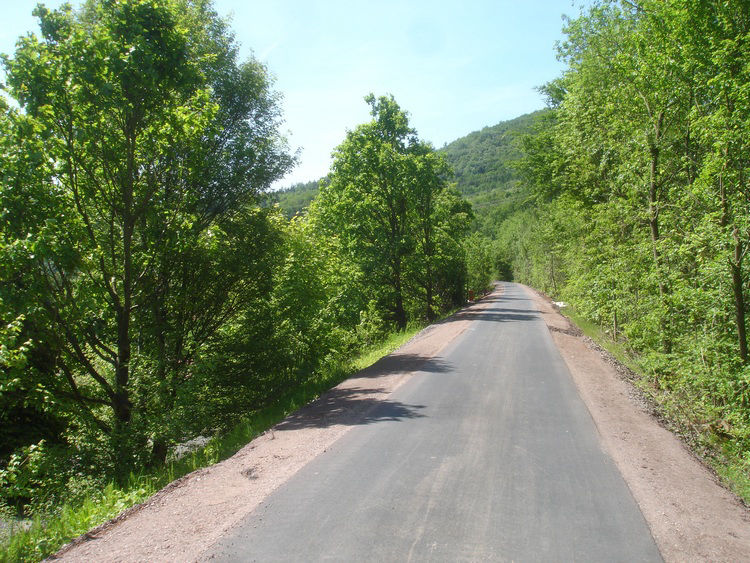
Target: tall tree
x,y
439,219
716,36
644,176
384,202
158,140
367,199
624,115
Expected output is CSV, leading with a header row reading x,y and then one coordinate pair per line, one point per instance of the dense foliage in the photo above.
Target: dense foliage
x,y
130,176
483,161
640,178
149,292
486,174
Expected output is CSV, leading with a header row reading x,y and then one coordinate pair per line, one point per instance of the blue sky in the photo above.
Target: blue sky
x,y
454,66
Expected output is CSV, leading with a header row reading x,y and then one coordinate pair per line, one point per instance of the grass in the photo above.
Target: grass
x,y
45,537
731,469
593,331
392,342
735,475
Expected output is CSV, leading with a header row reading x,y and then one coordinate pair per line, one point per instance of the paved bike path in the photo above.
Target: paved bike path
x,y
486,453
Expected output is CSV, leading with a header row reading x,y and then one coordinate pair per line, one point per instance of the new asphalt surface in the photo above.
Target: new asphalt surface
x,y
486,453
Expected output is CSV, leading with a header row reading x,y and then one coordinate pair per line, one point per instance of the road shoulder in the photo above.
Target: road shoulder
x,y
691,516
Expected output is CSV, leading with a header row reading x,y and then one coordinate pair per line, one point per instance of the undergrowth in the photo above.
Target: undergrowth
x,y
44,536
728,459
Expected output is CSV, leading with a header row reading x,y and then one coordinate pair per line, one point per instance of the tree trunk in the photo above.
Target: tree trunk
x,y
158,453
429,253
122,405
653,221
430,311
653,217
552,272
615,327
399,312
739,296
735,266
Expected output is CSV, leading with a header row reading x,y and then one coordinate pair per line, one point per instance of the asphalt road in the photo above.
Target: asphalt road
x,y
487,453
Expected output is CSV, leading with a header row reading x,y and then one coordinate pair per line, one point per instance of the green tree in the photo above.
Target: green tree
x,y
715,38
479,263
640,193
439,218
367,199
386,202
157,144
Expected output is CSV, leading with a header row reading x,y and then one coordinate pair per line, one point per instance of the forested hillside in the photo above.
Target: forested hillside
x,y
483,161
483,164
295,199
641,204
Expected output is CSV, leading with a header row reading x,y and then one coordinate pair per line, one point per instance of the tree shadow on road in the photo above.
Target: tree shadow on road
x,y
494,312
496,315
400,363
360,401
350,407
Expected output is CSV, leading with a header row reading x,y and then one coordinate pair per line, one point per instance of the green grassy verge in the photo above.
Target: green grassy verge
x,y
731,468
593,331
735,476
46,537
392,343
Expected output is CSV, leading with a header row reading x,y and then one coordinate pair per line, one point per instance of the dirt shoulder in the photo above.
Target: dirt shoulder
x,y
188,516
691,516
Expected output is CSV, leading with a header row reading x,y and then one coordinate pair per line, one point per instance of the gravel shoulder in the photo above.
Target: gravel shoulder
x,y
188,516
691,516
